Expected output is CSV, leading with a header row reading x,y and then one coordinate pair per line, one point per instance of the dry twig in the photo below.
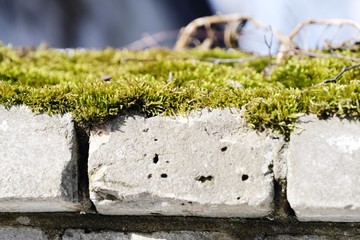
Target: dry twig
x,y
343,70
323,55
287,45
190,29
151,40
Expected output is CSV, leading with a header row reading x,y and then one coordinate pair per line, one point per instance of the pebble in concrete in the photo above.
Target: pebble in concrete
x,y
206,164
324,170
38,162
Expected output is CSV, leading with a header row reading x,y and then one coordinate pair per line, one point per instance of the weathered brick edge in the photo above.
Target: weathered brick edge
x,y
207,164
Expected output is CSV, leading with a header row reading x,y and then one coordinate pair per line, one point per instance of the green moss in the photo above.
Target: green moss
x,y
164,82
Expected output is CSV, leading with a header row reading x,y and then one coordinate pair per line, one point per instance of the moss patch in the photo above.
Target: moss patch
x,y
161,81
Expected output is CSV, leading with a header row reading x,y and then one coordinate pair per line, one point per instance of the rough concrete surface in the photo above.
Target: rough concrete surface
x,y
22,233
324,170
72,234
303,237
38,155
206,164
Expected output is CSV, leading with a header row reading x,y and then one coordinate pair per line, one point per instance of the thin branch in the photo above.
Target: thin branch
x,y
343,70
288,43
157,37
149,40
340,22
334,79
269,44
323,55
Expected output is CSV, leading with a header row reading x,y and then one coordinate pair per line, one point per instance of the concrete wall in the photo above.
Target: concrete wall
x,y
203,176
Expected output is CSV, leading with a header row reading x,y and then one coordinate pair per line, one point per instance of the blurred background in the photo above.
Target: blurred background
x,y
151,23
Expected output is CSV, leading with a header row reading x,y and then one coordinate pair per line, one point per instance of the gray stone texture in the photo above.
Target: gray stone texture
x,y
72,234
22,233
303,237
323,180
206,164
38,155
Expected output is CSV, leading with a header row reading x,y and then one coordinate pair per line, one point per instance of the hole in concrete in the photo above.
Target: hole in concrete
x,y
238,198
204,179
182,204
149,176
244,177
164,175
223,149
270,169
145,129
155,139
167,161
190,202
156,158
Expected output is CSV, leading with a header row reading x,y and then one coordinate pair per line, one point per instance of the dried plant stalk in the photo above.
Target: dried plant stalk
x,y
287,44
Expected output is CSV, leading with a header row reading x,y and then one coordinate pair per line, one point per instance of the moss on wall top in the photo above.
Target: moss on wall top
x,y
96,85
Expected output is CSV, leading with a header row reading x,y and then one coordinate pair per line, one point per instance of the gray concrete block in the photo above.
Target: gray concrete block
x,y
78,234
74,234
38,155
303,237
323,181
206,164
22,233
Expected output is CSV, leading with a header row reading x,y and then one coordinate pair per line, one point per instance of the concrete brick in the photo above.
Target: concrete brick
x,y
324,170
206,164
74,234
22,233
38,155
78,234
303,237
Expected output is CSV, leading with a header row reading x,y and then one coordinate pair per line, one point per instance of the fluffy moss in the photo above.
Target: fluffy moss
x,y
161,81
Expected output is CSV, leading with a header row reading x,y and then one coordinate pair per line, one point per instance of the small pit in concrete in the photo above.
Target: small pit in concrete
x,y
244,177
156,158
223,149
204,178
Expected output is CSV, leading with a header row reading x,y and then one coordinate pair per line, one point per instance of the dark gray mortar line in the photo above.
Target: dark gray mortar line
x,y
82,136
282,208
239,228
